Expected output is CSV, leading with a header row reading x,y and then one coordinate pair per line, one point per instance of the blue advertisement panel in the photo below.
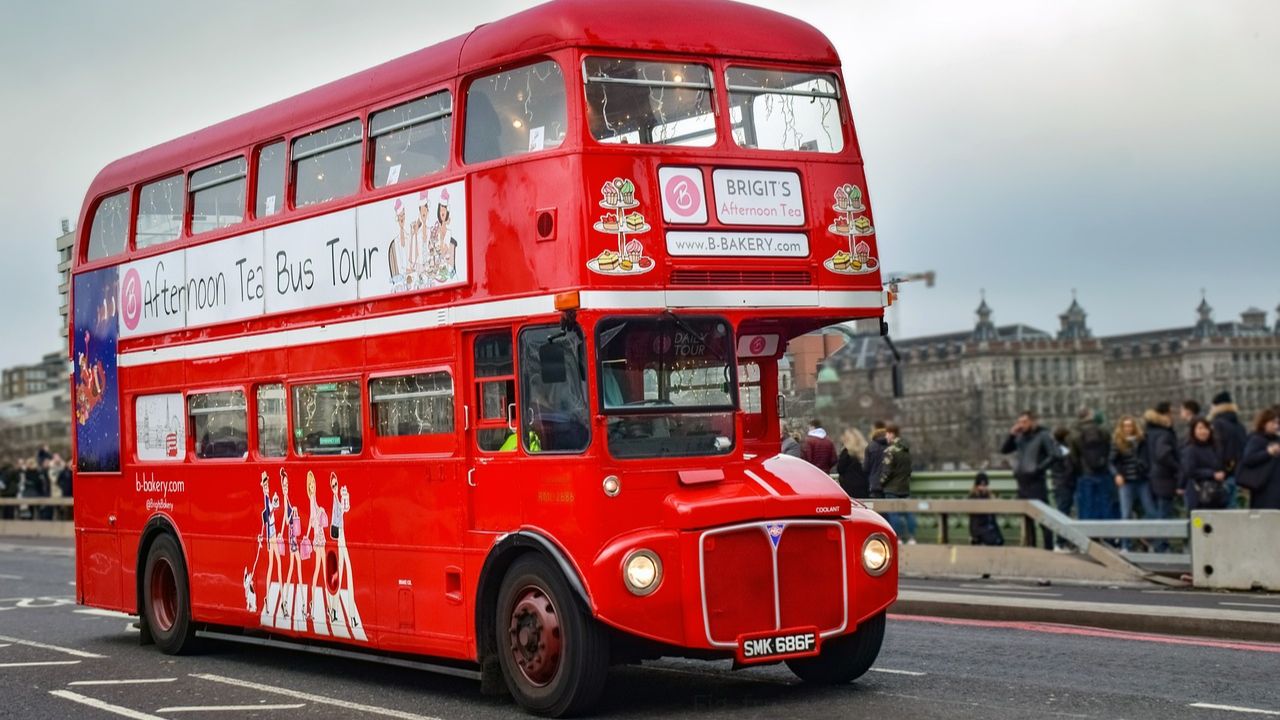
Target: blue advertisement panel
x,y
97,401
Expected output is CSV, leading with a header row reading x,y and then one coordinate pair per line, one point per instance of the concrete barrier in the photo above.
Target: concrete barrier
x,y
18,527
1006,563
1236,549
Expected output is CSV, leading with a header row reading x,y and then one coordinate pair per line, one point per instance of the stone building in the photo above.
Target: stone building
x,y
962,390
51,373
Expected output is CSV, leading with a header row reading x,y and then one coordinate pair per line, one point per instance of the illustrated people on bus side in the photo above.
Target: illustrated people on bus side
x,y
853,478
398,251
317,528
341,505
1260,465
444,243
291,531
1229,436
267,536
1202,470
818,448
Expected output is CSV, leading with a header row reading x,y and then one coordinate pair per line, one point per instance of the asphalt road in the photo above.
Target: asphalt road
x,y
58,660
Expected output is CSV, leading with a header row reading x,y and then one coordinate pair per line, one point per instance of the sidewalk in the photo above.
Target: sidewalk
x,y
1237,616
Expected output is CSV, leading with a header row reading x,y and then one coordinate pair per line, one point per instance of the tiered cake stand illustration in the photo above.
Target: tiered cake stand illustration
x,y
857,260
630,259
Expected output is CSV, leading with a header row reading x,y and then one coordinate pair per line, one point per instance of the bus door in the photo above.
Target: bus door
x,y
492,443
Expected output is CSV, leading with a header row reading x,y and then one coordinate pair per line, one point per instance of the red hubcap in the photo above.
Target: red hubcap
x,y
164,595
535,636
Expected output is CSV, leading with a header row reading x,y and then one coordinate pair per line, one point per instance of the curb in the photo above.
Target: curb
x,y
1152,619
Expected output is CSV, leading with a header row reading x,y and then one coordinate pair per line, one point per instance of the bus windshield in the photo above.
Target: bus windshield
x,y
667,385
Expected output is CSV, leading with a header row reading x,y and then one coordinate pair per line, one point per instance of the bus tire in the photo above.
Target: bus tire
x,y
166,597
554,656
845,658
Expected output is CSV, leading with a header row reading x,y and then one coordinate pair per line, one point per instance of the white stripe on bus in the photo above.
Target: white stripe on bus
x,y
514,308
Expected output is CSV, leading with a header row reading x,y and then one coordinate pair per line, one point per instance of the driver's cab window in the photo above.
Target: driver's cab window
x,y
553,390
495,392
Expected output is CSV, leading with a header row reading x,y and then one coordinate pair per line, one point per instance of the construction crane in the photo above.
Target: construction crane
x,y
891,283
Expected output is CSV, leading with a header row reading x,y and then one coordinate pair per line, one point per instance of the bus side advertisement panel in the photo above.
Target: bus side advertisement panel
x,y
97,392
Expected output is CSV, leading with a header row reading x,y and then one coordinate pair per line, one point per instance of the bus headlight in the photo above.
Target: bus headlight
x,y
642,572
876,554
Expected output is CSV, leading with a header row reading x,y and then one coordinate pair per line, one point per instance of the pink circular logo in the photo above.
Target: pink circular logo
x,y
131,299
757,345
683,196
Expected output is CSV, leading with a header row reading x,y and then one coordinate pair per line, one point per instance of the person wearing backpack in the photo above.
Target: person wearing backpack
x,y
1033,452
1091,453
1260,465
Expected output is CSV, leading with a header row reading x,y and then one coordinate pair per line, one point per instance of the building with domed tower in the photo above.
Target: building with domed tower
x,y
962,390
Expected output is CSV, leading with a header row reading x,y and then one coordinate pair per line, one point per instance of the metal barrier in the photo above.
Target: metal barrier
x,y
59,525
1084,535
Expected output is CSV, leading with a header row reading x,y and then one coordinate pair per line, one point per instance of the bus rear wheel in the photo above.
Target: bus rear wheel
x,y
843,659
554,656
166,597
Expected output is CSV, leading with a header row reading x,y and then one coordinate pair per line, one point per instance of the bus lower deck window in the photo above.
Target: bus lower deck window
x,y
273,428
405,405
219,424
326,418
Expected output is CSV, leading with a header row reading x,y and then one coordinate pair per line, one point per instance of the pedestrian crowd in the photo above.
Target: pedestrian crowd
x,y
1136,468
46,475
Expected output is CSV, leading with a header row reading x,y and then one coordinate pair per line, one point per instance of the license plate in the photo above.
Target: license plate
x,y
778,645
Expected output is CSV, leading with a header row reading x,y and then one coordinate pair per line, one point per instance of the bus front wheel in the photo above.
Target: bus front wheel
x,y
843,659
554,655
166,597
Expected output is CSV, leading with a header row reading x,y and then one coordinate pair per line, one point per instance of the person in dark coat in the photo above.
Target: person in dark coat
x,y
1260,463
1034,451
983,529
790,446
1204,480
1162,458
1091,453
1229,437
874,458
853,478
895,482
818,448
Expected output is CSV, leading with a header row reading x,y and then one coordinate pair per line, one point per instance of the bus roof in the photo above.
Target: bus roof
x,y
708,27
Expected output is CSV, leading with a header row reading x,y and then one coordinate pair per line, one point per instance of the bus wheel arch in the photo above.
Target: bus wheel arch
x,y
501,557
171,560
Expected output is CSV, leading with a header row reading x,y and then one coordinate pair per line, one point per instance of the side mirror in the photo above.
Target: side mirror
x,y
551,363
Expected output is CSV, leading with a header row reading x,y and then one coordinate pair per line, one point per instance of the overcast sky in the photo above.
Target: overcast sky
x,y
1130,150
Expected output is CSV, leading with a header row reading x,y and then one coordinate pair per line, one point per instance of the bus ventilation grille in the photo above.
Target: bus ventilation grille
x,y
741,277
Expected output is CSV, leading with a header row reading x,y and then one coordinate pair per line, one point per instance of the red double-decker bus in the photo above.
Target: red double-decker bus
x,y
474,356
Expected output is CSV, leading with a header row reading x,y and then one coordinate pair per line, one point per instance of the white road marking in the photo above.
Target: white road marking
x,y
890,671
104,706
1250,605
321,699
138,681
103,613
1233,708
4,645
3,576
41,663
229,708
55,648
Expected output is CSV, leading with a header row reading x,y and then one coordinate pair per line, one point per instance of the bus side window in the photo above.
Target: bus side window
x,y
495,382
272,425
160,207
515,112
218,424
327,164
553,391
326,418
270,180
411,140
110,230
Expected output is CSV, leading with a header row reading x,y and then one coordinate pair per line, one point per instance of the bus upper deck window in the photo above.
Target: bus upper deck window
x,y
782,110
217,195
110,229
515,112
411,140
270,181
649,103
326,164
160,212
